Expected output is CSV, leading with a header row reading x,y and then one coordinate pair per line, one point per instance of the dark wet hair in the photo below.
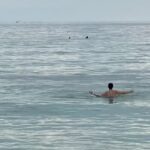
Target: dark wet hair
x,y
110,86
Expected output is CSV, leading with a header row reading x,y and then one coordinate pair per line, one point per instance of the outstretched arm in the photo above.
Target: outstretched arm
x,y
92,93
125,92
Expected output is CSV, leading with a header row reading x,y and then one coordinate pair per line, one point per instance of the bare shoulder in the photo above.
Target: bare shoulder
x,y
117,91
112,93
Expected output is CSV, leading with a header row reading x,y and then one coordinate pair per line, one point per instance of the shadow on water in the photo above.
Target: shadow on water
x,y
111,100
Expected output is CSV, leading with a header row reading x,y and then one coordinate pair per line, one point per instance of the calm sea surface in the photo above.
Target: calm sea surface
x,y
45,78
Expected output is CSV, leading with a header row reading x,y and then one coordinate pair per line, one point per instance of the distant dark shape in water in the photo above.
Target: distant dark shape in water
x,y
86,37
18,21
69,37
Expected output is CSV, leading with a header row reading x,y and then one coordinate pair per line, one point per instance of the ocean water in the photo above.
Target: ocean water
x,y
45,78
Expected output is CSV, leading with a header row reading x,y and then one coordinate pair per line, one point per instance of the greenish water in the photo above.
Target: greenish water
x,y
45,78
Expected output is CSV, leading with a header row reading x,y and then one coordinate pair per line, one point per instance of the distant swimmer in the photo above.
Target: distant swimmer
x,y
111,93
69,37
86,37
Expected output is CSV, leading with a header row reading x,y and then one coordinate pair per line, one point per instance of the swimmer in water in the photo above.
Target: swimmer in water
x,y
111,93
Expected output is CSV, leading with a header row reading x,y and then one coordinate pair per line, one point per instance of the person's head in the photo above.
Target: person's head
x,y
110,86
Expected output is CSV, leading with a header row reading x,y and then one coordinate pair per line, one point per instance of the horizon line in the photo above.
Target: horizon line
x,y
74,22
